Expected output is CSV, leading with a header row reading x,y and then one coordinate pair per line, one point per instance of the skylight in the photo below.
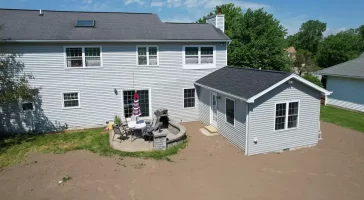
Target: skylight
x,y
85,23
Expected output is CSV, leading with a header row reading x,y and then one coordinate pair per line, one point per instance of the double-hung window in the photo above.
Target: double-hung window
x,y
83,57
230,111
71,100
286,115
199,57
189,99
147,55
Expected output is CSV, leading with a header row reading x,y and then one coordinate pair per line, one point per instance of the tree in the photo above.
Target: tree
x,y
14,84
310,35
291,40
339,48
257,38
313,79
304,62
232,16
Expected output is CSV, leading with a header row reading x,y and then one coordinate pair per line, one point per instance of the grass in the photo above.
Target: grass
x,y
346,118
14,150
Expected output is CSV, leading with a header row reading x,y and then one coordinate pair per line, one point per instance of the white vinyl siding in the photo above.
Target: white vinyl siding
x,y
101,89
83,57
147,55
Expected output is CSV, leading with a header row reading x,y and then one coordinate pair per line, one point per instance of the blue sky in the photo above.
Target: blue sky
x,y
339,15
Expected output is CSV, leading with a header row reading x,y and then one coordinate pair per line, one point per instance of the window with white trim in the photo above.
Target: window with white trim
x,y
230,111
189,99
81,57
148,55
71,100
286,118
198,55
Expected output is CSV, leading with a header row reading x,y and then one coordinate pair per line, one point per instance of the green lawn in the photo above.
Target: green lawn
x,y
14,149
346,118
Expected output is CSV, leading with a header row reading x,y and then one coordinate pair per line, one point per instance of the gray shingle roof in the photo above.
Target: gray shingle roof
x,y
59,25
242,82
352,68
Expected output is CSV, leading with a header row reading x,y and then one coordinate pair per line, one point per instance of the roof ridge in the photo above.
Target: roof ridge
x,y
73,11
260,70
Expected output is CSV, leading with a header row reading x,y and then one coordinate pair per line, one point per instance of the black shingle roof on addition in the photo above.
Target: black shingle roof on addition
x,y
60,25
242,82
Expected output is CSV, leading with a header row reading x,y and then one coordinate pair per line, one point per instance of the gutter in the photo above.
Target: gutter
x,y
221,92
105,41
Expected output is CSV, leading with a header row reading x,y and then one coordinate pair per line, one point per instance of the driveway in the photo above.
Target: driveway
x,y
209,168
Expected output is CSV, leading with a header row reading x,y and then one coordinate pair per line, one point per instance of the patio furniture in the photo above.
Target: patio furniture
x,y
117,131
148,131
137,127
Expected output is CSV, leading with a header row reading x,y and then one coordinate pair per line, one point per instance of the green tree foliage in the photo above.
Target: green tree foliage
x,y
290,40
257,38
313,79
310,35
232,14
304,62
14,84
339,48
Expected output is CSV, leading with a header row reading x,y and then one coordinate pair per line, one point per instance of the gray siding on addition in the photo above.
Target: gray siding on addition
x,y
235,134
262,119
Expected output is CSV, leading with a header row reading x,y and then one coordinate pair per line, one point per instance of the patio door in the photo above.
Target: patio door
x,y
213,109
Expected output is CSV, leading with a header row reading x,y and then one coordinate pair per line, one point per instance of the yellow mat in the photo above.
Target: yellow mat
x,y
211,129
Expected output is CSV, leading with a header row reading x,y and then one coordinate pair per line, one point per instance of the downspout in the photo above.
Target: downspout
x,y
246,128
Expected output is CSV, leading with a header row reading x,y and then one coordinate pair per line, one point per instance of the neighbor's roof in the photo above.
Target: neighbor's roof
x,y
291,50
28,25
352,68
249,84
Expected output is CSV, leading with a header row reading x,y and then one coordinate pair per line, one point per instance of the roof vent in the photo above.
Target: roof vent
x,y
85,23
40,13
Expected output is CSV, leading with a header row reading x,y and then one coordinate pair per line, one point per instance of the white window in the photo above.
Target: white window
x,y
199,57
82,57
189,99
230,111
286,118
147,55
71,100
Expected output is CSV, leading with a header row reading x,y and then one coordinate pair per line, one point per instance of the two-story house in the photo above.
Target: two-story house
x,y
88,65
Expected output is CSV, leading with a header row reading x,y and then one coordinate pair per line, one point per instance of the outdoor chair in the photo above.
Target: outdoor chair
x,y
148,131
117,131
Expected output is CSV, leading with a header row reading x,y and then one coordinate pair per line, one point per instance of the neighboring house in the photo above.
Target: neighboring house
x,y
346,80
88,65
261,111
291,51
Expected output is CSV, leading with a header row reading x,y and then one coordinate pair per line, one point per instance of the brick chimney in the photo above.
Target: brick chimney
x,y
217,20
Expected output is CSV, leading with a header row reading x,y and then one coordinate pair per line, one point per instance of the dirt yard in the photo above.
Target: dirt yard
x,y
209,168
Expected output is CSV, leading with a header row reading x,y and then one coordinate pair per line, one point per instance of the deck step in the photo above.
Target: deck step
x,y
211,129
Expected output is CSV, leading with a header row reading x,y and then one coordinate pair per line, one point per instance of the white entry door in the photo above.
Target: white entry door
x,y
213,109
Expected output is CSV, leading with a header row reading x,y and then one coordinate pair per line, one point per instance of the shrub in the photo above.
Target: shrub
x,y
313,79
117,120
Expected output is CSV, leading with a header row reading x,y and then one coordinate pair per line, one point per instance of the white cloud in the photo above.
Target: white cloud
x,y
333,31
140,2
179,19
157,4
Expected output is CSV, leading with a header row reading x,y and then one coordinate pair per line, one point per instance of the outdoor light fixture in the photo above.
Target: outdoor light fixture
x,y
115,91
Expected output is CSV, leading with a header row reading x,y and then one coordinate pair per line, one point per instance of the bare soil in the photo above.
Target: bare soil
x,y
209,168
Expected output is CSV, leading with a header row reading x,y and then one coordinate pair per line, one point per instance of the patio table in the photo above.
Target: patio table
x,y
136,127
